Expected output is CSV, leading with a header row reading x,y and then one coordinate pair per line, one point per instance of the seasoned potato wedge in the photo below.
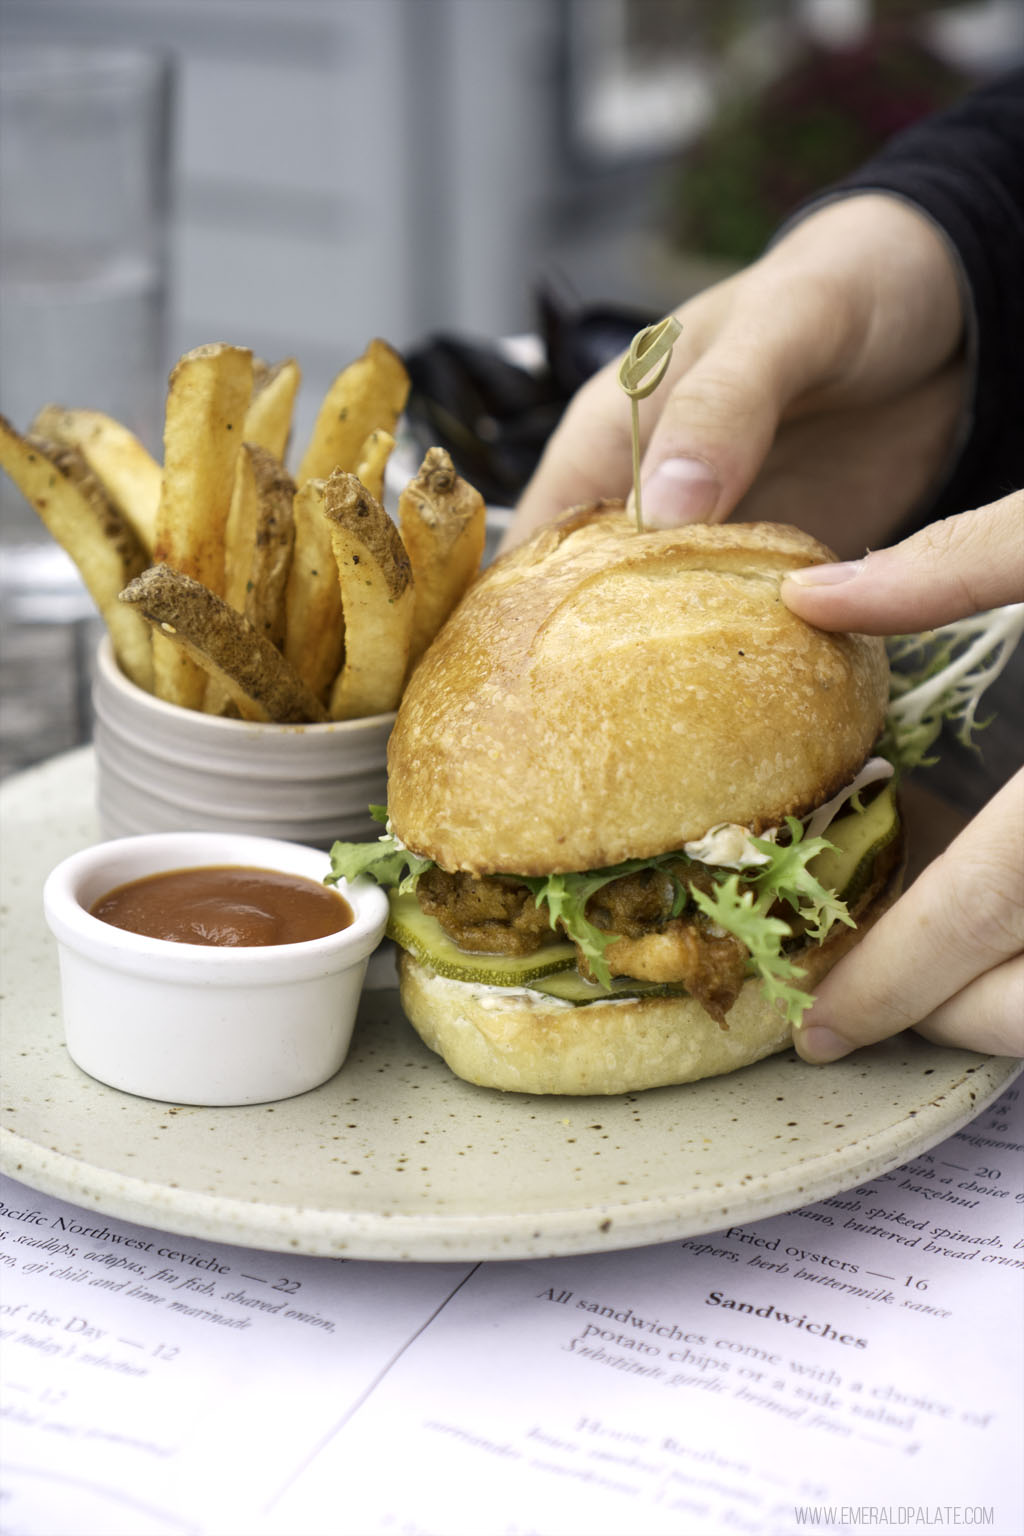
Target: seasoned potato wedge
x,y
373,461
268,421
207,398
369,393
104,546
127,471
223,644
443,523
259,538
258,543
314,626
376,596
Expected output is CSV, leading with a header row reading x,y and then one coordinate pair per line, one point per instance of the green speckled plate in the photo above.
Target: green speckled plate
x,y
397,1159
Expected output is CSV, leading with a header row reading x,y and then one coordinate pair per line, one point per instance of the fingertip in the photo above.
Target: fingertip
x,y
679,491
830,596
831,575
818,1044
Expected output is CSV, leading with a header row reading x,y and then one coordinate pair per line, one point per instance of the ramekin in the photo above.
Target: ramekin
x,y
198,1024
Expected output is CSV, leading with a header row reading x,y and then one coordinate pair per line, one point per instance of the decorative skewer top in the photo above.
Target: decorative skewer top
x,y
650,349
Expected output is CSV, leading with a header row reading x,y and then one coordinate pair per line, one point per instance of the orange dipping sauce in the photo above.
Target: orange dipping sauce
x,y
227,905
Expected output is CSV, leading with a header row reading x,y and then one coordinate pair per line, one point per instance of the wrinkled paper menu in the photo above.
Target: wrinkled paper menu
x,y
856,1363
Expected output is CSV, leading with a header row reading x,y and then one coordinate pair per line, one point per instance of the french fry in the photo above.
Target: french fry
x,y
69,500
369,393
376,595
208,395
314,627
268,421
443,523
372,464
257,551
223,644
258,542
128,473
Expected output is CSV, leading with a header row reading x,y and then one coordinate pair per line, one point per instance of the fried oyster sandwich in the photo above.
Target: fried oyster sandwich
x,y
633,813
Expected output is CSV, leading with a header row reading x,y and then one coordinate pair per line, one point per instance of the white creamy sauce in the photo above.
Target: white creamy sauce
x,y
729,846
493,999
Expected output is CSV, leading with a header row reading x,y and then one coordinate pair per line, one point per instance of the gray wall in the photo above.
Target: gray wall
x,y
344,168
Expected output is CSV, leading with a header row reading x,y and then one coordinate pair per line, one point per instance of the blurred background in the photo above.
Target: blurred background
x,y
464,170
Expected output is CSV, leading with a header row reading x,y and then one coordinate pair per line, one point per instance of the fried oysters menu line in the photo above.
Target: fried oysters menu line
x,y
855,1362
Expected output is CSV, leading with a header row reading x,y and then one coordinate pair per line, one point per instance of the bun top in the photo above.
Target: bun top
x,y
603,694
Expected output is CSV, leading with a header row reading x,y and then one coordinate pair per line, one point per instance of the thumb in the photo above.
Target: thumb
x,y
949,570
715,426
713,435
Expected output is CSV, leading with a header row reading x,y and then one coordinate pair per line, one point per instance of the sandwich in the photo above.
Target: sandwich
x,y
634,814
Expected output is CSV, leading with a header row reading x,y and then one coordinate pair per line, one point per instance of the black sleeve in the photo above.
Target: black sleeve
x,y
965,169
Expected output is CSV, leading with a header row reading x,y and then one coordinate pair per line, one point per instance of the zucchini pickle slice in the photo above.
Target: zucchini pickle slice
x,y
571,987
424,937
859,838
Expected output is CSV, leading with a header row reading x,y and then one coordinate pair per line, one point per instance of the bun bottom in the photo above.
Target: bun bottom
x,y
523,1042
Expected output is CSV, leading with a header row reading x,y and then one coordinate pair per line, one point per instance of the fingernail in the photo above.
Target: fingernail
x,y
679,491
825,575
818,1043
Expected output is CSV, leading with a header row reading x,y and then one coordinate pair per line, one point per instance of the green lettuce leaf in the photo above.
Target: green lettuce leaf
x,y
786,878
746,913
387,861
566,897
740,912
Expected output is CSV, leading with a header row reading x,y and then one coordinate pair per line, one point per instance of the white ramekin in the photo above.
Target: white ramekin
x,y
197,1024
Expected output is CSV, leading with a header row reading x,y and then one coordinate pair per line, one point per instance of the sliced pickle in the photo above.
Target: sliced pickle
x,y
859,838
571,987
424,937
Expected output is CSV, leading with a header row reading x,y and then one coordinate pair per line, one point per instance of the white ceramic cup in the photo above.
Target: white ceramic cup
x,y
199,1024
160,768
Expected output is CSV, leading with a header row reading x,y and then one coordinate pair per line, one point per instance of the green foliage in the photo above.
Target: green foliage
x,y
940,676
387,861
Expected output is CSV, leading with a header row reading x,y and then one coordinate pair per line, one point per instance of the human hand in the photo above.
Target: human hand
x,y
820,386
946,959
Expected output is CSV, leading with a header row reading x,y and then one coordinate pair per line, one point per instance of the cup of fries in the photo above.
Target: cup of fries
x,y
161,768
260,626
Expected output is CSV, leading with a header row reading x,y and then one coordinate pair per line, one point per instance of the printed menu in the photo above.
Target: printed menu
x,y
856,1362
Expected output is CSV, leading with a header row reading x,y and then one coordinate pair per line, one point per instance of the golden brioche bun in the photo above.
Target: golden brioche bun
x,y
525,1042
603,694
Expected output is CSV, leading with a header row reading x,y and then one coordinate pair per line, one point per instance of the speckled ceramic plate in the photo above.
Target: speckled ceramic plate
x,y
397,1159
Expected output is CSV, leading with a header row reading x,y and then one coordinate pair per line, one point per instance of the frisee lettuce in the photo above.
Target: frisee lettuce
x,y
746,913
741,913
388,860
566,897
940,676
786,877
